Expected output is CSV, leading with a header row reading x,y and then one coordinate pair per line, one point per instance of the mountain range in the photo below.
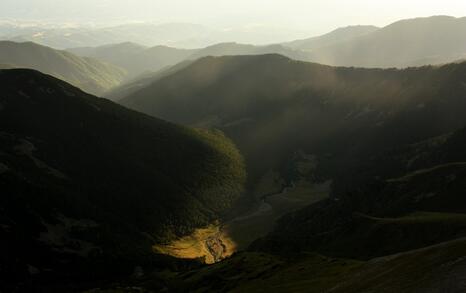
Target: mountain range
x,y
137,60
183,35
235,167
334,37
289,105
391,142
411,42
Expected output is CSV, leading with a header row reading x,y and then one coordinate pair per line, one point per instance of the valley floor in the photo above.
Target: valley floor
x,y
221,240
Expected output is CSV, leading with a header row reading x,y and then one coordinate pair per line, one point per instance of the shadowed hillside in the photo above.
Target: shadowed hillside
x,y
408,197
273,107
438,268
392,141
88,186
402,230
339,245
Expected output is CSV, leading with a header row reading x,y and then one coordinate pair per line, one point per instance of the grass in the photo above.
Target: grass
x,y
194,246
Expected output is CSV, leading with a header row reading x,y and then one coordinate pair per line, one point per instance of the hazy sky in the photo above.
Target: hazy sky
x,y
312,15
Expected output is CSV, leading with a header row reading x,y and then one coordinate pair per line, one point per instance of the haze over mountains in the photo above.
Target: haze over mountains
x,y
183,35
134,58
311,165
137,59
414,42
275,101
91,75
334,37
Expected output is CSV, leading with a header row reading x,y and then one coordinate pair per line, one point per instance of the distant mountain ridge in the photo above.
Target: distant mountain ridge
x,y
334,37
91,75
176,34
63,36
360,46
410,42
138,60
134,58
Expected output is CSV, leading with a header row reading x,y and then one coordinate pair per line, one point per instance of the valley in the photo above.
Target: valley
x,y
273,197
143,156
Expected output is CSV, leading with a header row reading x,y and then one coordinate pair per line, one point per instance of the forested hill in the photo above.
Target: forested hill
x,y
87,183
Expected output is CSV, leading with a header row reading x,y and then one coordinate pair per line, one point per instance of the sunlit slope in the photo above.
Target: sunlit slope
x,y
90,75
85,181
272,107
